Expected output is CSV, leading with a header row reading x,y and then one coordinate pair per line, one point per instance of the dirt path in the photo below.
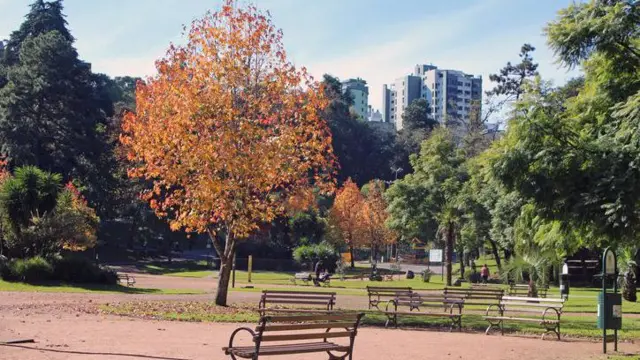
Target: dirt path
x,y
66,336
63,329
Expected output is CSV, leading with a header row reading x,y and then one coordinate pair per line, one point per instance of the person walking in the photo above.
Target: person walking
x,y
484,273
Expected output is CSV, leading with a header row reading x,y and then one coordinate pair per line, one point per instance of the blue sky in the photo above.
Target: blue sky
x,y
377,40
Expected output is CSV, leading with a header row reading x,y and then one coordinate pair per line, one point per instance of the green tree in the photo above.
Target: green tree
x,y
364,152
417,124
54,111
574,154
429,195
44,17
511,79
40,217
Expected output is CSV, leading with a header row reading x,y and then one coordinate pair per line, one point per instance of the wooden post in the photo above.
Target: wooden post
x,y
233,271
250,266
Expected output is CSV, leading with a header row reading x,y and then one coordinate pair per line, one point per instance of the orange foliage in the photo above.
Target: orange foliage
x,y
229,130
346,211
373,215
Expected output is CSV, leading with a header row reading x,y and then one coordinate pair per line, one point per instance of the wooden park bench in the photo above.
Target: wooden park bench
x,y
544,311
126,279
434,304
377,293
523,290
299,334
474,295
310,301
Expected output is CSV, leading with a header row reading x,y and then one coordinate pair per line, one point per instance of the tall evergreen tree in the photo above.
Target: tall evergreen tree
x,y
53,109
44,17
512,77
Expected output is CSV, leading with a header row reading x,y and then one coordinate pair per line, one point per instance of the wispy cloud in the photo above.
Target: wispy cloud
x,y
439,40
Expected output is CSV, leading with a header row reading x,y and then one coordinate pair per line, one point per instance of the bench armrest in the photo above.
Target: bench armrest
x,y
498,308
453,305
395,305
554,313
233,335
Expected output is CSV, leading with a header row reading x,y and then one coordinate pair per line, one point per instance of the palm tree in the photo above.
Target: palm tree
x,y
533,266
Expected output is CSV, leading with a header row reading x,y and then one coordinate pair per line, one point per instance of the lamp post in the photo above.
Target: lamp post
x,y
564,281
396,171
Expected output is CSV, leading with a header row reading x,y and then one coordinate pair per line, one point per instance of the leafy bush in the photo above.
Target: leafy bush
x,y
40,217
32,270
310,254
64,269
74,269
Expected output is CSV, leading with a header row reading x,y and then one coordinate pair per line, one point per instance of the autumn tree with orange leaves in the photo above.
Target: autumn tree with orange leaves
x,y
344,215
228,132
372,217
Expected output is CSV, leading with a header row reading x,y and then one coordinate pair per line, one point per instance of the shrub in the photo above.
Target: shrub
x,y
63,269
33,270
40,217
73,269
310,254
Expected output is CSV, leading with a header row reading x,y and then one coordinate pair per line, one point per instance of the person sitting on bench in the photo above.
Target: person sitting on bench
x,y
324,276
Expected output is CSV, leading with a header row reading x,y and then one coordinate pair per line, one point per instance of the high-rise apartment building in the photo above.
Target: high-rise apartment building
x,y
449,93
360,93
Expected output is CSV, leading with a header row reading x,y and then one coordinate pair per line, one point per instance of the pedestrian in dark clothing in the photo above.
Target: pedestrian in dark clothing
x,y
318,270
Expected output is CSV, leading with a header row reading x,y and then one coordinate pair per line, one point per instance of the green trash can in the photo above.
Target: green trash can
x,y
610,317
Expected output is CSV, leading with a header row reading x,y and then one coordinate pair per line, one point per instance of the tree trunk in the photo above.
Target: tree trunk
x,y
496,255
507,254
353,261
462,265
449,252
226,262
223,280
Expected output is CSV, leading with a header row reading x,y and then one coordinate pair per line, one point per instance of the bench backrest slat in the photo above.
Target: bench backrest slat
x,y
300,302
388,288
325,300
315,317
538,300
308,326
280,292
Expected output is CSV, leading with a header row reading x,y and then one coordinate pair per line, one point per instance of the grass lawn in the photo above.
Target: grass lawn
x,y
574,326
88,288
177,268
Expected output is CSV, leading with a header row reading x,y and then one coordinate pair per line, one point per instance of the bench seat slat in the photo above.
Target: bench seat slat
x,y
307,336
521,319
249,351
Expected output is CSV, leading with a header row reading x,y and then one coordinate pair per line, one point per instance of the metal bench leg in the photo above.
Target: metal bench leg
x,y
456,322
555,329
392,319
491,325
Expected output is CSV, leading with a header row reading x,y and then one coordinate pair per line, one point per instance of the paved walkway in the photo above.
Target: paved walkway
x,y
61,336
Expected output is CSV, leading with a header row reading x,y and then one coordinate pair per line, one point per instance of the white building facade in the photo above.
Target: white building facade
x,y
449,93
360,93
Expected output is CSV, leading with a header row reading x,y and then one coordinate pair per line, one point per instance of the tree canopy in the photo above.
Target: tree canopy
x,y
228,131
